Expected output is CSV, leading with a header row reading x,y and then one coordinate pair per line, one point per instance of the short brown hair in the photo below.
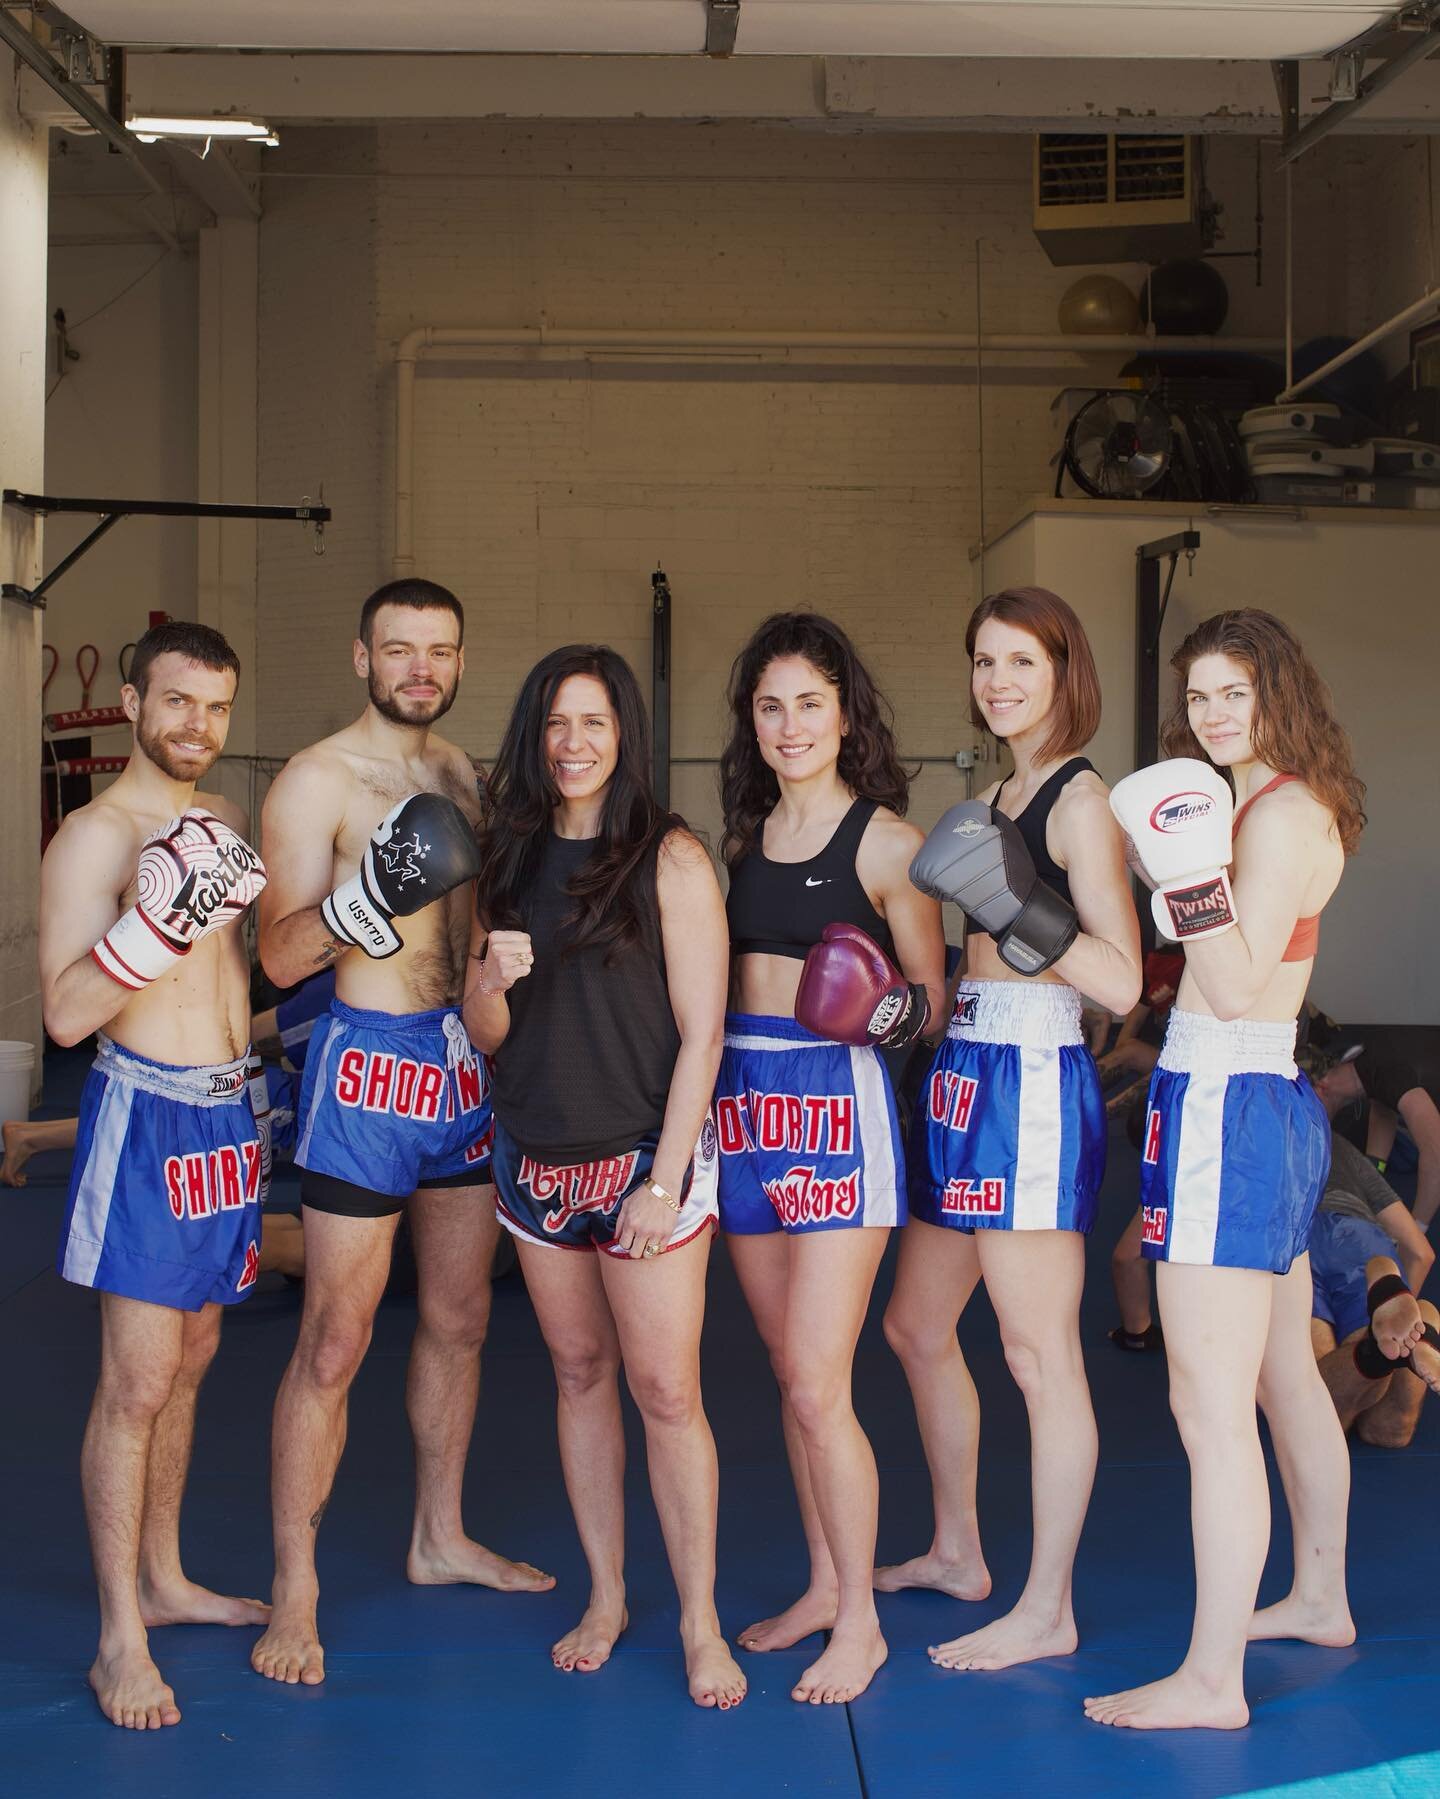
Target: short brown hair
x,y
181,637
420,596
1075,710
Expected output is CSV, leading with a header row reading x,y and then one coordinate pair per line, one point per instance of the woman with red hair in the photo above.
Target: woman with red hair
x,y
1007,1149
1236,1143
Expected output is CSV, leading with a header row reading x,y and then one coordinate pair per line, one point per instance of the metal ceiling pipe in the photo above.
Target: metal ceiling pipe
x,y
1426,303
520,338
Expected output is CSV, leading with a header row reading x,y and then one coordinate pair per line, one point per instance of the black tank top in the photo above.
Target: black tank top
x,y
781,908
1032,821
585,1068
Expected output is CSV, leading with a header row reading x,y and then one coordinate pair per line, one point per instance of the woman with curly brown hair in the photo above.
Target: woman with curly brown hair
x,y
1236,1143
811,1171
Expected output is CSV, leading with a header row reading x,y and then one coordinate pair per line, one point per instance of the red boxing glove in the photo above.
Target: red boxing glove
x,y
851,992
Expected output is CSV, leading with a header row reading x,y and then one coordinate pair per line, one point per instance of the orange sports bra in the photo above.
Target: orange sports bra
x,y
1305,938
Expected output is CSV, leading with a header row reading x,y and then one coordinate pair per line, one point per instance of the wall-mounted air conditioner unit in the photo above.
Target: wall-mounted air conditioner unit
x,y
1118,199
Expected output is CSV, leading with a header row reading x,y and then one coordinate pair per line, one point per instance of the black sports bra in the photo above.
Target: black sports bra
x,y
781,908
1032,821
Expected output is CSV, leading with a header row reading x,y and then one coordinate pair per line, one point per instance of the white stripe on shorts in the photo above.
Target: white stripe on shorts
x,y
317,1092
1195,1202
1035,1205
86,1238
877,1148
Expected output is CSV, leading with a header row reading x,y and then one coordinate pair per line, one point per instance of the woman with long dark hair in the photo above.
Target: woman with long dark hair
x,y
1007,1150
597,985
1236,1143
811,1172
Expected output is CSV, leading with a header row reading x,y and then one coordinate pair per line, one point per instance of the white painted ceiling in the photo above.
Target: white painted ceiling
x,y
1247,29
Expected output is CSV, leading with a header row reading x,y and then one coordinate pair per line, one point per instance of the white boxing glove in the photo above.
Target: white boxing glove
x,y
1178,815
195,876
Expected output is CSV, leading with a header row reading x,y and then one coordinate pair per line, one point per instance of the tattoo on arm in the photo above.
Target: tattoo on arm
x,y
328,955
319,1513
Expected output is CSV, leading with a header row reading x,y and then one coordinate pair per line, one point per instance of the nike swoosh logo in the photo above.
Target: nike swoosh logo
x,y
809,882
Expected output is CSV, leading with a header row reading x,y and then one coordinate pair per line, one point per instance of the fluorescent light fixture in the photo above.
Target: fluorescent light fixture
x,y
250,131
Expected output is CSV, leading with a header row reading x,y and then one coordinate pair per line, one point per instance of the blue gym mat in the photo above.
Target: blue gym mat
x,y
447,1690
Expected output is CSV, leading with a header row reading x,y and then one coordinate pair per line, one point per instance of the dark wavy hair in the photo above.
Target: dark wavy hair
x,y
1075,709
616,906
869,763
1294,730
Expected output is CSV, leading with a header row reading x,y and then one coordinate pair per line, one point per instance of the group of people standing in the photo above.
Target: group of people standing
x,y
548,1020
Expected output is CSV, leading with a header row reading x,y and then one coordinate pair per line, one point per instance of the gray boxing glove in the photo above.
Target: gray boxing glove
x,y
977,860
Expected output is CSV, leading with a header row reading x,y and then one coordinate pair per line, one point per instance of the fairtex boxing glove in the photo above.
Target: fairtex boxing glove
x,y
195,876
419,851
976,858
852,992
1178,816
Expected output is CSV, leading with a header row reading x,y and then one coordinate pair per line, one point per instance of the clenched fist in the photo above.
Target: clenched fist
x,y
508,958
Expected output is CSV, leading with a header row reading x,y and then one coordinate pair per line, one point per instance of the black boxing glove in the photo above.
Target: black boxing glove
x,y
976,858
422,849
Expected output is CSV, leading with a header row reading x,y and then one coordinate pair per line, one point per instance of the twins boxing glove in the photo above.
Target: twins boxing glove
x,y
1178,815
194,877
852,992
419,851
977,859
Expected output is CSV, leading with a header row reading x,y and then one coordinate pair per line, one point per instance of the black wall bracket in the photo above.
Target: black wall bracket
x,y
660,683
112,511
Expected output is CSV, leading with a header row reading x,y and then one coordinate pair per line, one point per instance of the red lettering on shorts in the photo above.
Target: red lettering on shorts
x,y
730,1124
227,1164
254,1167
1152,1224
427,1093
251,1270
195,1204
407,1078
952,1098
349,1076
379,1082
802,1197
1152,1134
173,1191
581,1187
965,1198
468,1080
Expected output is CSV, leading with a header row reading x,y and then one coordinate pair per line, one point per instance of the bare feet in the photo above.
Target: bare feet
x,y
1179,1702
182,1602
588,1646
17,1154
1017,1637
844,1670
1398,1324
714,1675
1426,1360
1328,1624
961,1580
131,1692
813,1610
290,1650
467,1563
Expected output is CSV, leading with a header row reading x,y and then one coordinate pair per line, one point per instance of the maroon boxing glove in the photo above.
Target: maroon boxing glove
x,y
852,992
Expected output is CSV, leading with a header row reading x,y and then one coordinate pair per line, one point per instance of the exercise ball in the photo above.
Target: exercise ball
x,y
1099,305
1189,299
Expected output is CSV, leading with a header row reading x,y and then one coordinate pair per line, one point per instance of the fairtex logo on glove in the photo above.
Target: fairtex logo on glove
x,y
1181,811
204,892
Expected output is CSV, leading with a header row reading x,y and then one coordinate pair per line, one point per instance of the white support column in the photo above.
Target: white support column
x,y
24,184
226,436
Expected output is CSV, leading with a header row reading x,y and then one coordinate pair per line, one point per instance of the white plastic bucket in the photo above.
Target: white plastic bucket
x,y
17,1067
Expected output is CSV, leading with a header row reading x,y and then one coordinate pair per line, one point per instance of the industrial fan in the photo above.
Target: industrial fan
x,y
1117,446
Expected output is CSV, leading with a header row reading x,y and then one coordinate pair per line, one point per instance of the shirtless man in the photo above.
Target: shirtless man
x,y
140,893
370,833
